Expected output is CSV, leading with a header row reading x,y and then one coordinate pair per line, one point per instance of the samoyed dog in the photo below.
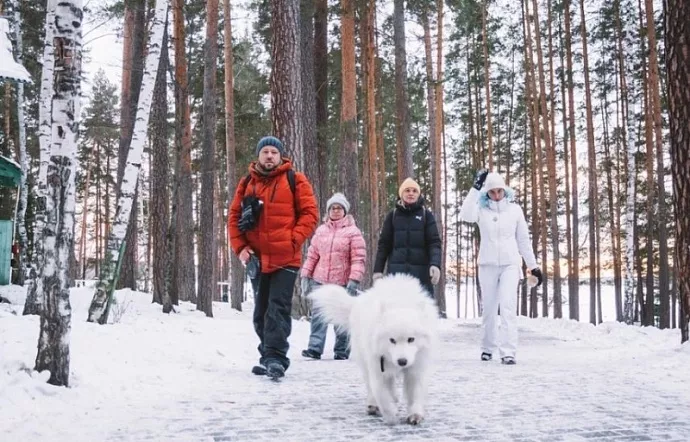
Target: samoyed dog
x,y
393,334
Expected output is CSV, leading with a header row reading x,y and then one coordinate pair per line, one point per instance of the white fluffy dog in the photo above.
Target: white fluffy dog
x,y
393,332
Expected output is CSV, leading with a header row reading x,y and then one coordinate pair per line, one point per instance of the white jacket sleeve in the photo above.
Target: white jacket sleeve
x,y
469,212
524,241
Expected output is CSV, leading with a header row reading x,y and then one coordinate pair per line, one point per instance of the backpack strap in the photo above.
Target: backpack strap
x,y
293,185
291,179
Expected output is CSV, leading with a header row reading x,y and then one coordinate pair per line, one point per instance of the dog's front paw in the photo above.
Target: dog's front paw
x,y
372,410
415,419
390,418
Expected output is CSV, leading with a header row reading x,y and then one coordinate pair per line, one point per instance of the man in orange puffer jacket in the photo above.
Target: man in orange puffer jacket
x,y
268,224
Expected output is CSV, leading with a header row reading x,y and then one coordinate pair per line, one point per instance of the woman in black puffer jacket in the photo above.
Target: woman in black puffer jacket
x,y
409,241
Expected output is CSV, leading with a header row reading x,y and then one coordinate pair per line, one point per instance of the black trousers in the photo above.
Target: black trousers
x,y
272,320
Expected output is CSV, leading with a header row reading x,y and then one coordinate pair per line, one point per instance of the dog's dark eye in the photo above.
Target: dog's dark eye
x,y
410,340
392,341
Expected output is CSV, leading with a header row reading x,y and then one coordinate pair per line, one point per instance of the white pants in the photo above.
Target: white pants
x,y
499,289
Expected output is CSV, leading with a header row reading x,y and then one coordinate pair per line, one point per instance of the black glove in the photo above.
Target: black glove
x,y
479,178
537,273
352,287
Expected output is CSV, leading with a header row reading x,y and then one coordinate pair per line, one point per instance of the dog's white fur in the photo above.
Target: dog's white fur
x,y
394,323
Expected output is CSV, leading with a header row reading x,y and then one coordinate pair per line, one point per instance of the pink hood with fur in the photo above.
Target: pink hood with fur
x,y
337,253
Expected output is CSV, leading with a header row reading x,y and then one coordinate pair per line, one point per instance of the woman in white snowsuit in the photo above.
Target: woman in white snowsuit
x,y
504,243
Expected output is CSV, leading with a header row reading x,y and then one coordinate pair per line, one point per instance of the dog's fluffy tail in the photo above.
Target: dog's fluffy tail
x,y
332,304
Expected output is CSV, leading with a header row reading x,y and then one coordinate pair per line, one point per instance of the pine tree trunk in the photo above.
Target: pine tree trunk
x,y
487,85
56,312
369,23
84,221
286,98
660,218
566,165
23,161
98,215
310,164
434,148
183,284
132,70
321,84
34,291
591,156
551,168
207,257
677,40
236,268
574,280
160,178
402,114
539,210
348,176
100,305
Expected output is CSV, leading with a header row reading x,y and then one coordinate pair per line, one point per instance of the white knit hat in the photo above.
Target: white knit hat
x,y
338,198
494,181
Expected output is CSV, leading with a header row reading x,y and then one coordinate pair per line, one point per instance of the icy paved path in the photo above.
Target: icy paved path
x,y
563,389
185,377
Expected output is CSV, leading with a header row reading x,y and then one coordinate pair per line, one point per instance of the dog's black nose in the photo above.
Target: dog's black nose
x,y
402,362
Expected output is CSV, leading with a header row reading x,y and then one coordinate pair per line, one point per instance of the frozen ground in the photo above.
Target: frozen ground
x,y
186,377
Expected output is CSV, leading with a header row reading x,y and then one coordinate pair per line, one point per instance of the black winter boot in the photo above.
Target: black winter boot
x,y
311,354
486,356
259,370
275,371
508,360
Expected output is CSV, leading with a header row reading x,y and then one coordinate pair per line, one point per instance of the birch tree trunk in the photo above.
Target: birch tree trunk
x,y
56,312
100,305
677,40
23,188
207,257
34,289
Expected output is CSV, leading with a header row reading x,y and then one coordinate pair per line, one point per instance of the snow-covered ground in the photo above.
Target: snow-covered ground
x,y
151,376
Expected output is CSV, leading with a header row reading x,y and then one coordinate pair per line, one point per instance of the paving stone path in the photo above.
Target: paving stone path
x,y
560,390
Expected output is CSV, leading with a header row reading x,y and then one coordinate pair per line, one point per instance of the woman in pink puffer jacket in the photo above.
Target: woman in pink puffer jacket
x,y
336,255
